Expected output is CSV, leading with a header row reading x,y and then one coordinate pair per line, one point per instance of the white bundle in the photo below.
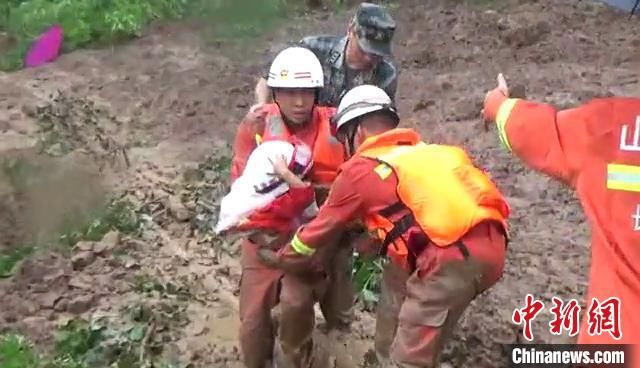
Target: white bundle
x,y
243,198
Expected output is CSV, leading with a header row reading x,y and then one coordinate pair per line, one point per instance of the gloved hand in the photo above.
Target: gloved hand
x,y
287,260
492,101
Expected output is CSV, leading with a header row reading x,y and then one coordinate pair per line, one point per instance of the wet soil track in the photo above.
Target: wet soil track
x,y
180,98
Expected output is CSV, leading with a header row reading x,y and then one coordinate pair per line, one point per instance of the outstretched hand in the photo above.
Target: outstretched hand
x,y
502,85
502,90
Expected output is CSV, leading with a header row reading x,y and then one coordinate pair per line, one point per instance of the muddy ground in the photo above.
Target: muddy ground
x,y
136,118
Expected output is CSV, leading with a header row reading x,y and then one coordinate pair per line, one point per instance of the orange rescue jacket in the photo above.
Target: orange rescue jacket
x,y
439,188
595,148
328,153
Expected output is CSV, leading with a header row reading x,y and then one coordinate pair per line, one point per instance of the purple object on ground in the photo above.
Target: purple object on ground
x,y
46,48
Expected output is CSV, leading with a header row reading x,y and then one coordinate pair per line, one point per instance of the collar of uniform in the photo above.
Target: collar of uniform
x,y
390,138
342,48
275,121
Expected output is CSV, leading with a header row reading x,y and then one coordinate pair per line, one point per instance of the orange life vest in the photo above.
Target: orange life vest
x,y
440,191
328,153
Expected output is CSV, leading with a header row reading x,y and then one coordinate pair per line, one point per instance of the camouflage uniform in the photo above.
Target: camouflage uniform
x,y
375,30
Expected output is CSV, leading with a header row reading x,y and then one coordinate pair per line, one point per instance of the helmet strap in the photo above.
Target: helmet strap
x,y
351,131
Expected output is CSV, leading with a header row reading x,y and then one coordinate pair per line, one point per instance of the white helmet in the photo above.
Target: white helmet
x,y
296,67
359,101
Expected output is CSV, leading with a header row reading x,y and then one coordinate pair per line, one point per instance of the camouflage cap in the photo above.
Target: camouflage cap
x,y
374,28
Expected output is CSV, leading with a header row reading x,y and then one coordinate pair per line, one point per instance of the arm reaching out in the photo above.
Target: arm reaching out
x,y
548,140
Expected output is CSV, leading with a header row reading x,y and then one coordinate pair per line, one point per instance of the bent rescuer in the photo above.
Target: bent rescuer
x,y
426,207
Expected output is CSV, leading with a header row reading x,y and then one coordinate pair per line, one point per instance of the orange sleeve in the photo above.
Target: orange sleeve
x,y
550,141
244,144
343,206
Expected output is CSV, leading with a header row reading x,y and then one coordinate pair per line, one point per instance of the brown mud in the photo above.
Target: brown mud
x,y
143,116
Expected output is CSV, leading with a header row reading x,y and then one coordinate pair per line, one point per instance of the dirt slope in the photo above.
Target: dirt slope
x,y
170,99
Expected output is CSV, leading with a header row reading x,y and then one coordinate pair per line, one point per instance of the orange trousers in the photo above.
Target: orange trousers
x,y
262,288
418,311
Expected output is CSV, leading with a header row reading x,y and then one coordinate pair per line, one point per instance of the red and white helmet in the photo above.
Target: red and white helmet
x,y
296,67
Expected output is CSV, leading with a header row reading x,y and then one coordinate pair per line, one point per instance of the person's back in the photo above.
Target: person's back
x,y
440,220
594,148
605,172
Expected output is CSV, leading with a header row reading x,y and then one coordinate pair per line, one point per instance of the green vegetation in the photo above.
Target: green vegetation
x,y
88,23
366,276
117,214
131,341
16,352
74,342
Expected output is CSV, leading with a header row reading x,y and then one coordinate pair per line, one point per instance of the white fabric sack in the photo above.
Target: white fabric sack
x,y
243,199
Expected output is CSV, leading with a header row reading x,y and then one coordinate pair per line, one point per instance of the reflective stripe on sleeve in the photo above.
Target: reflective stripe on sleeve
x,y
300,247
623,177
501,120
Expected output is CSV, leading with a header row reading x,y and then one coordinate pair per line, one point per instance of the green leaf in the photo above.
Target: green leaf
x,y
137,333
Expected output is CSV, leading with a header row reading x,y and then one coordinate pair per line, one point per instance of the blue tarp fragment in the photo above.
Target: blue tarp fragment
x,y
626,5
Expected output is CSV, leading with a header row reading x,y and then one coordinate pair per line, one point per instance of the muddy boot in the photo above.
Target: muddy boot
x,y
310,356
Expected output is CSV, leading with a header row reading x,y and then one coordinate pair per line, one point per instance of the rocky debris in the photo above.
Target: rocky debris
x,y
33,325
80,304
68,122
178,209
82,281
49,300
82,259
61,305
108,243
527,35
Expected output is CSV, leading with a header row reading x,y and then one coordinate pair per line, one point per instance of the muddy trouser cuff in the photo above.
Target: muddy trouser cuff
x,y
258,294
392,294
338,301
294,346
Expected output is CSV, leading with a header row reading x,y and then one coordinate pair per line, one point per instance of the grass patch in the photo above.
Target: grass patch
x,y
94,23
117,214
10,258
127,343
366,275
17,352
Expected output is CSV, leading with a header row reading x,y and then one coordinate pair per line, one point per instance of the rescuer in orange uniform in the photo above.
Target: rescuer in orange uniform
x,y
295,79
425,206
595,149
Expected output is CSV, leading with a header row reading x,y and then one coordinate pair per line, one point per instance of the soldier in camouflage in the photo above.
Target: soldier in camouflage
x,y
362,56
